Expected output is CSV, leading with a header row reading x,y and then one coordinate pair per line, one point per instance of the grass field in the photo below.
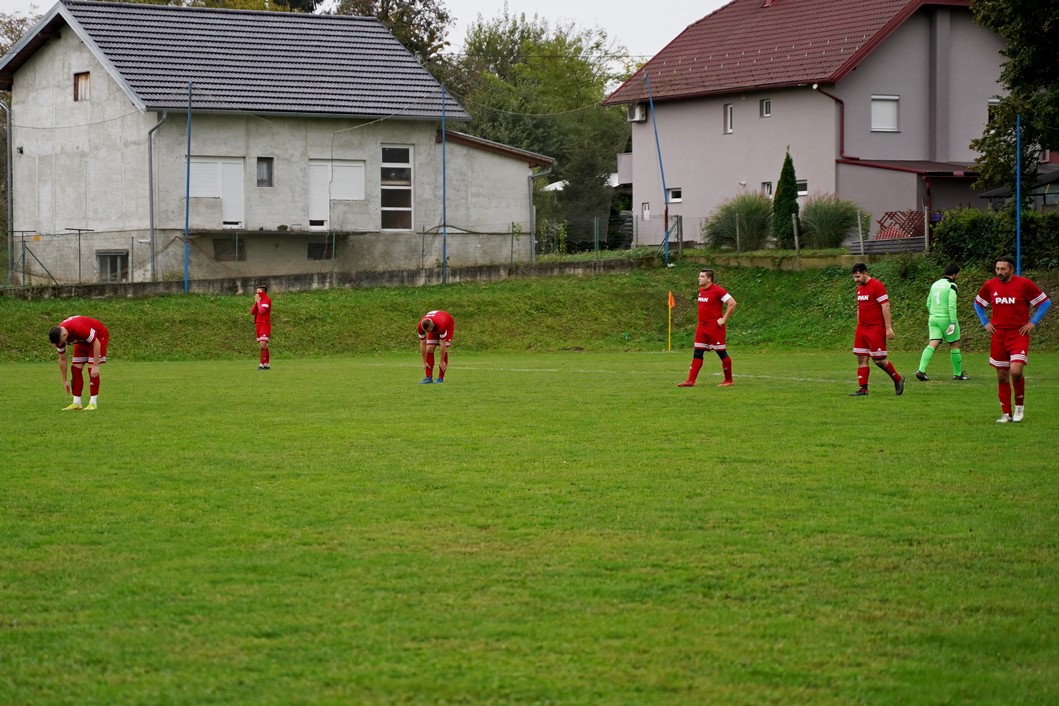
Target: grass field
x,y
548,528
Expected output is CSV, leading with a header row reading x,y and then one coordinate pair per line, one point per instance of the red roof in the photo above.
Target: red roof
x,y
752,44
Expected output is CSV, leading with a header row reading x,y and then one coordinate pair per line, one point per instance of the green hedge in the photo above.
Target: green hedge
x,y
975,238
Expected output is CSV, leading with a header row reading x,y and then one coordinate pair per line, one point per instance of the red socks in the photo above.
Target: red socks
x,y
1020,390
696,366
1004,393
77,380
726,366
428,369
862,376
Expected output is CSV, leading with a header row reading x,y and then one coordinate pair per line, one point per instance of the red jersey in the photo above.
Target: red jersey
x,y
442,325
1011,301
711,303
870,297
262,310
81,329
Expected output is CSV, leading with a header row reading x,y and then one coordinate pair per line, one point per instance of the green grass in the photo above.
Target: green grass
x,y
545,528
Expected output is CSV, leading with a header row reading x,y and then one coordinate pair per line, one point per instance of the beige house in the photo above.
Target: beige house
x,y
283,143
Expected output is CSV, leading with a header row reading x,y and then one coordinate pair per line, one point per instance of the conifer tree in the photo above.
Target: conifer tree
x,y
784,203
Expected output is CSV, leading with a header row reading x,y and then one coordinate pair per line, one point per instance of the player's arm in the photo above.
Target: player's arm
x,y
423,349
979,309
1042,309
886,318
952,304
62,372
93,364
729,308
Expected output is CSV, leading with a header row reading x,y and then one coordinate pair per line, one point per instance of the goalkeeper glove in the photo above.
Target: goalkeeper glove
x,y
950,329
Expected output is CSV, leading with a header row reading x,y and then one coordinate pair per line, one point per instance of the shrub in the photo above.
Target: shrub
x,y
975,238
827,220
748,215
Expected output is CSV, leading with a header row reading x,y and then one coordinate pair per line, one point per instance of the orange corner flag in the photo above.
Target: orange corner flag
x,y
671,302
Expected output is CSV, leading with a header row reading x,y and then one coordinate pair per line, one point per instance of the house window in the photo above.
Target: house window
x,y
332,180
113,265
675,195
992,110
729,118
766,188
264,171
765,107
321,251
803,187
884,113
396,188
229,249
82,86
220,178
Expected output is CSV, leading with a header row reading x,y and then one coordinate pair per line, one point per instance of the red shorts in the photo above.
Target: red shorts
x,y
263,331
83,351
870,341
434,340
710,337
1008,346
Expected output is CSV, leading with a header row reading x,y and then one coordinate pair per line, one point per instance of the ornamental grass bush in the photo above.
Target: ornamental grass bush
x,y
827,221
741,223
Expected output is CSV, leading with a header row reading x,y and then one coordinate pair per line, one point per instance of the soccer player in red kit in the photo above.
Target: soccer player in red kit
x,y
715,308
435,329
1011,298
873,328
262,313
89,337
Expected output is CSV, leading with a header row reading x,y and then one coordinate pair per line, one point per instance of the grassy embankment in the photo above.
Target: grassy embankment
x,y
811,310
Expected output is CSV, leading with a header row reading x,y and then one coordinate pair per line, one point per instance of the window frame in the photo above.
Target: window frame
x,y
82,86
765,108
122,261
729,118
893,104
269,179
391,186
675,194
766,188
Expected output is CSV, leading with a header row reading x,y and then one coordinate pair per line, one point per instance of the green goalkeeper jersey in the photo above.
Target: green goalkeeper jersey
x,y
941,302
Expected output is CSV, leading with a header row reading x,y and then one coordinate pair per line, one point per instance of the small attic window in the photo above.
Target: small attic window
x,y
82,86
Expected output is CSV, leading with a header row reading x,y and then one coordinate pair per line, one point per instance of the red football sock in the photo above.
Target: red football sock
x,y
862,376
1020,390
891,371
428,369
93,384
1004,393
77,380
696,366
726,366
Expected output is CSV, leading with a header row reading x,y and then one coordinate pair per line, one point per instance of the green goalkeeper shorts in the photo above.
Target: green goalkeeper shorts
x,y
938,327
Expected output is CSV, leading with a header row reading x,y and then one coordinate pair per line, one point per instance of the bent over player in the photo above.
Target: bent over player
x,y
435,329
873,328
715,308
1011,297
89,337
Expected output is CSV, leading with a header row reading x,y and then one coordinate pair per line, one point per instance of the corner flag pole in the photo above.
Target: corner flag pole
x,y
669,311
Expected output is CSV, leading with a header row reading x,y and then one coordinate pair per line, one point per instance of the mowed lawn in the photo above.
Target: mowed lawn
x,y
542,529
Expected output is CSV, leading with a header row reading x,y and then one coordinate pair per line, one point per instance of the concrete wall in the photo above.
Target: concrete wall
x,y
84,165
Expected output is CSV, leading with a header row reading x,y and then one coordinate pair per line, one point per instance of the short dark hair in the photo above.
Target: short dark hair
x,y
860,267
952,269
428,324
708,272
1006,258
54,334
263,288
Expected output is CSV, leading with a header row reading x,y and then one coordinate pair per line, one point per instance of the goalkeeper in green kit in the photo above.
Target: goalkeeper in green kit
x,y
941,303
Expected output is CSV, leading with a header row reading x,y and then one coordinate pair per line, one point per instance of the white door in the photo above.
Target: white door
x,y
232,209
319,201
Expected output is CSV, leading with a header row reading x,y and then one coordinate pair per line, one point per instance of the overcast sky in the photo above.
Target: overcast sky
x,y
643,28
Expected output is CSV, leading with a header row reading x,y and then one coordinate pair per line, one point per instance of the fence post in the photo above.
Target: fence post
x,y
738,245
794,225
860,231
926,229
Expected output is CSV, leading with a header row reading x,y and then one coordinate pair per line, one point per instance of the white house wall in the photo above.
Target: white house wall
x,y
711,167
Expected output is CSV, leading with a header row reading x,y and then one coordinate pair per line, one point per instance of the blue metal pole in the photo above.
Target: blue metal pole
x,y
187,196
1018,194
661,167
444,194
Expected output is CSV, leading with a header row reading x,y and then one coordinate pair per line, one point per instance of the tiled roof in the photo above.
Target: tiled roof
x,y
246,61
750,44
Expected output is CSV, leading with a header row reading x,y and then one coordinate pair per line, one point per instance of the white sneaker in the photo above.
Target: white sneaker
x,y
1020,412
1004,419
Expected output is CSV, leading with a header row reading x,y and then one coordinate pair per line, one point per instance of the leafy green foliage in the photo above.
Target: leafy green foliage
x,y
741,223
976,238
539,87
827,221
785,204
1030,76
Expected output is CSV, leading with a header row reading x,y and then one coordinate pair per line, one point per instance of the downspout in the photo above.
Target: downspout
x,y
10,199
841,121
150,188
533,213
